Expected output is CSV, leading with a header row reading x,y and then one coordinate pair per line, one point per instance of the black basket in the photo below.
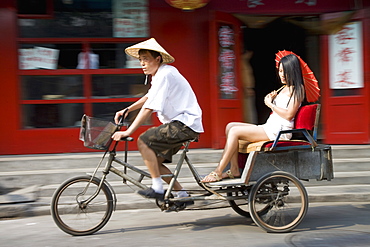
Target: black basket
x,y
96,133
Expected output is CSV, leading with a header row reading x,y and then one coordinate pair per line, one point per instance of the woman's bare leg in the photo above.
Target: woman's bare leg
x,y
234,168
236,132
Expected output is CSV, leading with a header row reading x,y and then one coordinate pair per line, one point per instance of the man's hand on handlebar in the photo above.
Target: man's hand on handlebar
x,y
117,136
123,113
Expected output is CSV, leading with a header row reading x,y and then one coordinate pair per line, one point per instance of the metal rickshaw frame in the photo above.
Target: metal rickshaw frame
x,y
269,182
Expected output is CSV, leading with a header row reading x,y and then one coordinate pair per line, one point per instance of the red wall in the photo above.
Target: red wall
x,y
9,81
183,34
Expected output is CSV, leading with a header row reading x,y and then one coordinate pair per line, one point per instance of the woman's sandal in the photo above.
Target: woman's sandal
x,y
214,175
230,175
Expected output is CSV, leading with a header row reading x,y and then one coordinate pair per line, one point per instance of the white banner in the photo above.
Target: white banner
x,y
345,58
27,59
47,58
130,18
38,58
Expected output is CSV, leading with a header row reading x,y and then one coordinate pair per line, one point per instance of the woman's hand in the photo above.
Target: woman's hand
x,y
269,98
273,94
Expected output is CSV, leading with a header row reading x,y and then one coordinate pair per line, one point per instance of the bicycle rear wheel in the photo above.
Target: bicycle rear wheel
x,y
278,202
75,218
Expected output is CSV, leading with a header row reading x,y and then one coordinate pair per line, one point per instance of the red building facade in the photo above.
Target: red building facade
x,y
65,59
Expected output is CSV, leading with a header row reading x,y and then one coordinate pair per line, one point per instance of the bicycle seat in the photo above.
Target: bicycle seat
x,y
196,139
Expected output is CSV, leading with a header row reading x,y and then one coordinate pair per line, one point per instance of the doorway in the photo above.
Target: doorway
x,y
264,43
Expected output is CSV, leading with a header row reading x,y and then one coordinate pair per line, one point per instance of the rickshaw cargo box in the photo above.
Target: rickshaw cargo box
x,y
305,164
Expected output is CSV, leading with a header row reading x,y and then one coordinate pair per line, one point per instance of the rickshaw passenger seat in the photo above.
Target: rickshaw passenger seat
x,y
305,125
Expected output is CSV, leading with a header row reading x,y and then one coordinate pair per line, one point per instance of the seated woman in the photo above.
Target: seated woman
x,y
284,105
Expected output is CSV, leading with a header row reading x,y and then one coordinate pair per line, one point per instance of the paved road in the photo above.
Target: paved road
x,y
326,224
38,176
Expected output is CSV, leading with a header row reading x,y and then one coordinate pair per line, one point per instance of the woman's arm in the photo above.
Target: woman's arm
x,y
288,113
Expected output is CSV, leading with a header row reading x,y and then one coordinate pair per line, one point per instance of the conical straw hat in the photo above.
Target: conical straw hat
x,y
150,44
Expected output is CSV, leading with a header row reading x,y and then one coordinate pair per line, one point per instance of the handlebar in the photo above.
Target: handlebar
x,y
122,118
121,123
129,139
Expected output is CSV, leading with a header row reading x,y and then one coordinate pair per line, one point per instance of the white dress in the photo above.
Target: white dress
x,y
275,123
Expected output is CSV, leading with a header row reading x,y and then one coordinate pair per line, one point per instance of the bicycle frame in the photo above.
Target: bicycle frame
x,y
208,192
262,192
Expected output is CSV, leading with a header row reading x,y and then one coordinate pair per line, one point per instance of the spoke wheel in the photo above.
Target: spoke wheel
x,y
72,216
278,202
240,206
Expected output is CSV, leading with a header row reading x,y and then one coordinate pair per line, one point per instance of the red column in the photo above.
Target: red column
x,y
9,107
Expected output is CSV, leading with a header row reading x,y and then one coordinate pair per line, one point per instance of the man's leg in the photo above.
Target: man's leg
x,y
150,158
164,170
156,168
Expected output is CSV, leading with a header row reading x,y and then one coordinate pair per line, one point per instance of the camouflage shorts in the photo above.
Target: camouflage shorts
x,y
167,139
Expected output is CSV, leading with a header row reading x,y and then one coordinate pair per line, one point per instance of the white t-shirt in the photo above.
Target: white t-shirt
x,y
172,97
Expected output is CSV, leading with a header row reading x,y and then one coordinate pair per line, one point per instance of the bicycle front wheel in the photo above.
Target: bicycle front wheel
x,y
72,215
278,202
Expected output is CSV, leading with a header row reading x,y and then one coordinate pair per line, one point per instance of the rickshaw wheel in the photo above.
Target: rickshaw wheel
x,y
278,202
240,206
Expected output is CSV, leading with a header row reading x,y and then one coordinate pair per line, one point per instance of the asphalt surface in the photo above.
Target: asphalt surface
x,y
27,182
325,225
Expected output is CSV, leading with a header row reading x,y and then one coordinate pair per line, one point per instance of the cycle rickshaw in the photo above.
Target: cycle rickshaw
x,y
269,190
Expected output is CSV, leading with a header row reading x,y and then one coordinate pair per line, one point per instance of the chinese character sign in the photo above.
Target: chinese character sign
x,y
345,57
226,58
130,18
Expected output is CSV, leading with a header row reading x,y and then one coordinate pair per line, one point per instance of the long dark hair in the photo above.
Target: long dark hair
x,y
293,76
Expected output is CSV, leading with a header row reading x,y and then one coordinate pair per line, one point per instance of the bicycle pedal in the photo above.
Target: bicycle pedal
x,y
178,206
175,208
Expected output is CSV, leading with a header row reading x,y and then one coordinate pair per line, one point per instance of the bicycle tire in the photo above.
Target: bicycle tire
x,y
74,219
240,206
278,202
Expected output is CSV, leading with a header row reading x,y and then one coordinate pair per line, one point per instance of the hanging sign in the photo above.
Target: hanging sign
x,y
226,58
130,18
26,58
345,57
46,58
38,58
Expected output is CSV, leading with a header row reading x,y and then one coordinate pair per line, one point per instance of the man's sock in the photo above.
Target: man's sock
x,y
182,193
157,185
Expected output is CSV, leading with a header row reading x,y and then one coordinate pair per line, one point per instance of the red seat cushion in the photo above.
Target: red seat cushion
x,y
305,117
286,144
